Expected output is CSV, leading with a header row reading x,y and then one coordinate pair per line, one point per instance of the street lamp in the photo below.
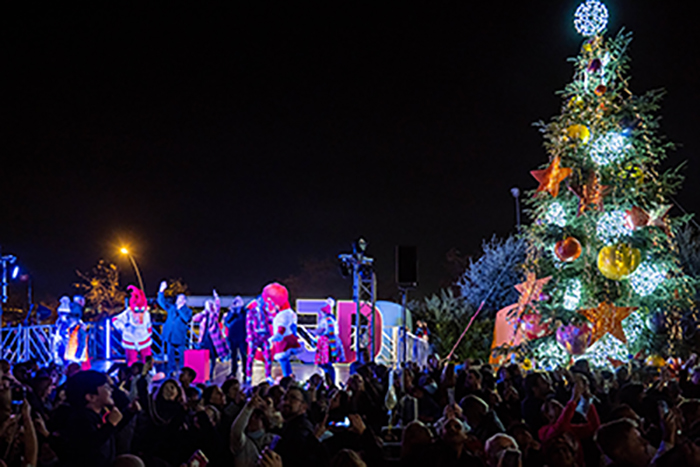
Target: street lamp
x,y
125,251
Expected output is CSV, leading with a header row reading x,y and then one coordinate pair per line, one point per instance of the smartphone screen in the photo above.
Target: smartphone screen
x,y
344,424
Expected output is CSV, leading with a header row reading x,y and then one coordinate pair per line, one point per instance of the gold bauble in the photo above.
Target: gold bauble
x,y
579,132
618,261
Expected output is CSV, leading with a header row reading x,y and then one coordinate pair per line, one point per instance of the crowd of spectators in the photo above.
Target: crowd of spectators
x,y
468,414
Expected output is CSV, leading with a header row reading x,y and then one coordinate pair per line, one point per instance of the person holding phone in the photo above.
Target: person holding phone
x,y
250,434
298,444
559,417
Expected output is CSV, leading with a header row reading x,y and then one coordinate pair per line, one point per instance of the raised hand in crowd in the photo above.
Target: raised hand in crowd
x,y
270,458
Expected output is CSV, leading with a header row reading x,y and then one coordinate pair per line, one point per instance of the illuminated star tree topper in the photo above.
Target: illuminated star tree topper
x,y
591,18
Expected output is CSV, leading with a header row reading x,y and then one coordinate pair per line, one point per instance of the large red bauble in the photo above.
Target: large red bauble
x,y
532,326
568,249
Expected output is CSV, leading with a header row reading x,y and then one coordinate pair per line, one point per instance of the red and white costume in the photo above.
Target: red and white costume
x,y
135,325
284,326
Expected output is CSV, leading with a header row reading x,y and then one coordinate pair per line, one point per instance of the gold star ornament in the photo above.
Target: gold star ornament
x,y
607,318
590,195
551,177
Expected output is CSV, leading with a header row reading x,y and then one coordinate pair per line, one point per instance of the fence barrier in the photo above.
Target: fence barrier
x,y
22,343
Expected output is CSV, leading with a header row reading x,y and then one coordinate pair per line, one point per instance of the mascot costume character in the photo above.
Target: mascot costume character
x,y
329,349
258,324
284,326
134,323
70,337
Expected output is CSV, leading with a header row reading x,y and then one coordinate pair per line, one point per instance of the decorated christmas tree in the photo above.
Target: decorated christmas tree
x,y
604,279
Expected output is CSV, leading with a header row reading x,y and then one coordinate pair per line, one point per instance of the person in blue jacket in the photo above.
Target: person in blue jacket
x,y
235,321
175,328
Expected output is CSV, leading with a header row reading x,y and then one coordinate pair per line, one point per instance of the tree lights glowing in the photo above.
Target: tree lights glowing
x,y
550,355
612,226
572,296
609,148
590,18
556,215
647,278
613,204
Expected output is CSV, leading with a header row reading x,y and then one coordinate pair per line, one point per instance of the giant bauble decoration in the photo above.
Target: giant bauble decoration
x,y
532,326
568,249
579,132
573,338
618,261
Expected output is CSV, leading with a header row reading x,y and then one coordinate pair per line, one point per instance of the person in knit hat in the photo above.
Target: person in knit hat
x,y
134,323
284,326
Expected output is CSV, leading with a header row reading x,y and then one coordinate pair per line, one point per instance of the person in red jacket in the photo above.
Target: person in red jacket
x,y
559,418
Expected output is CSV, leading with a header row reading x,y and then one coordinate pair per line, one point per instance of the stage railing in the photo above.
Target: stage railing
x,y
22,343
417,349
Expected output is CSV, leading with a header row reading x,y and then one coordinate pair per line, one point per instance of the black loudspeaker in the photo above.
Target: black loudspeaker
x,y
407,266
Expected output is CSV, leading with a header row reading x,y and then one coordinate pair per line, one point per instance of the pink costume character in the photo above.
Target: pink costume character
x,y
329,349
135,325
284,326
258,325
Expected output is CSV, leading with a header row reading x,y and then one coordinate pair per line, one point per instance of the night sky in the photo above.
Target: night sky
x,y
227,145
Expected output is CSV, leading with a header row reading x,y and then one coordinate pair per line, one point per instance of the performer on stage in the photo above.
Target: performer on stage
x,y
235,326
284,326
175,328
329,349
61,331
258,325
210,337
70,337
135,325
77,306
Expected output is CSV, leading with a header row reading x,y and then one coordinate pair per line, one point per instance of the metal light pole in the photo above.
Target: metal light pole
x,y
126,252
363,291
516,194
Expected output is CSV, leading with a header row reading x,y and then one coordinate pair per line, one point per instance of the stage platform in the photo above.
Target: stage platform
x,y
302,371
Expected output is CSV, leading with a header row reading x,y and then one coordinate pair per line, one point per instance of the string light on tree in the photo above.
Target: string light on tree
x,y
549,355
556,215
612,226
572,296
647,278
590,18
609,148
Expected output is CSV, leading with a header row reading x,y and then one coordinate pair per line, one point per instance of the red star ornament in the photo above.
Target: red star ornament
x,y
529,291
607,318
590,195
551,177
